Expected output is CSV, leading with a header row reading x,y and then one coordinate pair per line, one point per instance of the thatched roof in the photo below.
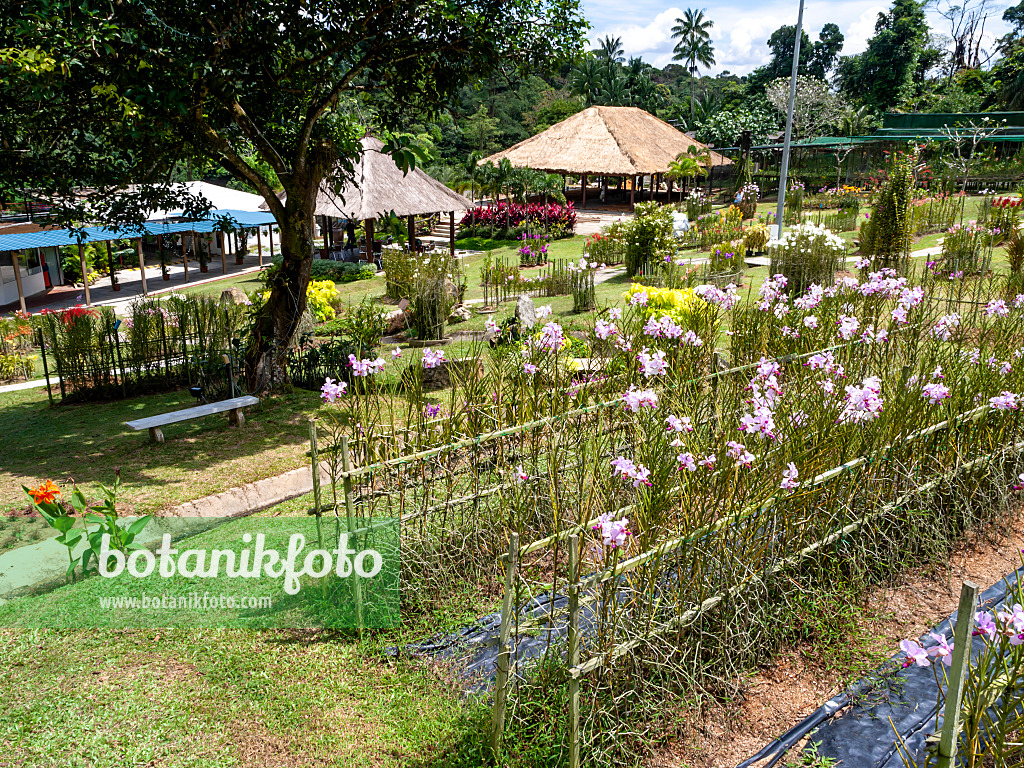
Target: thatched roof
x,y
379,188
607,141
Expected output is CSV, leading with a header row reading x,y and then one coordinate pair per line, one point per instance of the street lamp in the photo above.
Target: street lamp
x,y
784,169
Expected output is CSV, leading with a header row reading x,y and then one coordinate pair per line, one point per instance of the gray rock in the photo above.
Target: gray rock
x,y
396,322
233,296
526,312
461,368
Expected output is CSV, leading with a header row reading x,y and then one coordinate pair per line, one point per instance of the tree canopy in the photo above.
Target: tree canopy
x,y
265,89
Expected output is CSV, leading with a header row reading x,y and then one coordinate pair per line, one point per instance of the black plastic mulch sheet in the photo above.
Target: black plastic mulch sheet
x,y
859,727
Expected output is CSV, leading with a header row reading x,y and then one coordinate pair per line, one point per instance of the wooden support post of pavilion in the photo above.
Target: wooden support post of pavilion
x,y
17,280
632,192
259,244
451,232
270,233
368,226
223,253
412,233
184,253
583,187
85,274
142,265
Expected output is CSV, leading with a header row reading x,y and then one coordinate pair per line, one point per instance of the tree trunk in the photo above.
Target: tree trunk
x,y
267,355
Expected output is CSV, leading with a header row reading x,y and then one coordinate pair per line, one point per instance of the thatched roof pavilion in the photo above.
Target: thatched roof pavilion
x,y
379,188
605,141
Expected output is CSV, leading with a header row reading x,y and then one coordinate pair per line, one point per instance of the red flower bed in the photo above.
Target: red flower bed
x,y
507,216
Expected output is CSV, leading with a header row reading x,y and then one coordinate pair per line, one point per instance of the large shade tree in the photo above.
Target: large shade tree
x,y
104,99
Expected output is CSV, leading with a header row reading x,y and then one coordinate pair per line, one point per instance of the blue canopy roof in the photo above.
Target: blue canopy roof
x,y
49,238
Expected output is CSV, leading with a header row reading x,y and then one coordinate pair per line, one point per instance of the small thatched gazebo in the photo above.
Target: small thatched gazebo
x,y
606,141
379,188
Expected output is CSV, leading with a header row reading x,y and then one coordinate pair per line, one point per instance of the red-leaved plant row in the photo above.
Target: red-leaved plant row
x,y
510,215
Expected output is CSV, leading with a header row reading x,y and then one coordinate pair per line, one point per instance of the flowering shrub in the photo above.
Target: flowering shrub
x,y
533,250
648,236
509,219
807,254
698,203
608,245
321,298
966,249
683,307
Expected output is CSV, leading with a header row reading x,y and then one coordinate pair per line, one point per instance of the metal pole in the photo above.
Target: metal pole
x,y
783,171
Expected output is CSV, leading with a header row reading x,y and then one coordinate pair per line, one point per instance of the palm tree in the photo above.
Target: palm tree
x,y
587,78
614,93
685,166
611,49
694,46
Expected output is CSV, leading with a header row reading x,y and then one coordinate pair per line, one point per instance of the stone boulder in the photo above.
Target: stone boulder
x,y
526,313
233,296
459,369
397,322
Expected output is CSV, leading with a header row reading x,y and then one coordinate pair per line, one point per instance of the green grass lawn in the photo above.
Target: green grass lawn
x,y
87,442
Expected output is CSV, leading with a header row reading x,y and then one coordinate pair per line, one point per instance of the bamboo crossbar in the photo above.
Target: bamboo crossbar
x,y
693,614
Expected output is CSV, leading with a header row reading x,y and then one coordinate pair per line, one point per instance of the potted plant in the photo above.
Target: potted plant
x,y
243,248
755,239
203,255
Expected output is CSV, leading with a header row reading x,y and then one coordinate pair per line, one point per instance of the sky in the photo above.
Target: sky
x,y
741,31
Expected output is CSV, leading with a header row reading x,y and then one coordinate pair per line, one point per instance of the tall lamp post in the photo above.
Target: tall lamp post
x,y
784,170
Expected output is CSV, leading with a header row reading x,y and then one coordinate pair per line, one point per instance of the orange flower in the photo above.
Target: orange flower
x,y
46,493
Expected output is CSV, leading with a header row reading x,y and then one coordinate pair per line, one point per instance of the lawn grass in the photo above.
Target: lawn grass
x,y
88,441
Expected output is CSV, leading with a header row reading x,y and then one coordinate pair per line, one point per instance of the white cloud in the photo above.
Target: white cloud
x,y
740,33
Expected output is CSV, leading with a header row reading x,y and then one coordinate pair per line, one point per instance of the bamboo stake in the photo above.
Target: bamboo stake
x,y
501,682
957,674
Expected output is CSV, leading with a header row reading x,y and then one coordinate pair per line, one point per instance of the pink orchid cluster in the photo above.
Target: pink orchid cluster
x,y
1005,401
638,473
935,392
552,338
432,358
917,654
652,364
603,330
614,533
663,327
996,308
635,399
726,298
739,453
863,403
365,367
943,328
332,390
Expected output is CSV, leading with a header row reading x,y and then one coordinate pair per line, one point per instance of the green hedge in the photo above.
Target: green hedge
x,y
338,271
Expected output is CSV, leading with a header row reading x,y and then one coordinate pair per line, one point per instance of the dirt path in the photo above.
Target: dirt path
x,y
774,699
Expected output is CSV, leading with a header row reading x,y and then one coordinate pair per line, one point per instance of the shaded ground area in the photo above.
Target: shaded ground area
x,y
88,442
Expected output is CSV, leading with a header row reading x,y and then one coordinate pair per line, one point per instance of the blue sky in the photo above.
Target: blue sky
x,y
742,29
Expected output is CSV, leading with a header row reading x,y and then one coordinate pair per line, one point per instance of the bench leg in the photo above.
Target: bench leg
x,y
156,435
236,418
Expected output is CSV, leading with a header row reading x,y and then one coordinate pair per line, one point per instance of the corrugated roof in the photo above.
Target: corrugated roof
x,y
49,238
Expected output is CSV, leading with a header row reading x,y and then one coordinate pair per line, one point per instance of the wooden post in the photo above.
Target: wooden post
x,y
270,234
501,683
632,192
85,274
259,244
583,187
110,265
350,517
17,280
223,253
142,265
184,253
412,233
451,232
653,177
46,369
368,226
573,651
957,675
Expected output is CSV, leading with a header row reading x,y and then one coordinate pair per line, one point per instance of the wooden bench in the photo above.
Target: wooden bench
x,y
233,407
